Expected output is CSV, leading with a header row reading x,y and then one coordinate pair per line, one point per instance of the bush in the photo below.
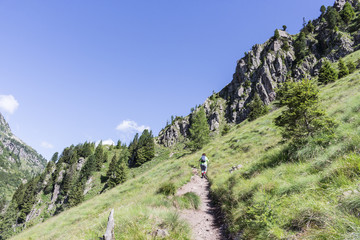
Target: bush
x,y
167,189
343,70
257,107
276,34
327,73
225,130
351,66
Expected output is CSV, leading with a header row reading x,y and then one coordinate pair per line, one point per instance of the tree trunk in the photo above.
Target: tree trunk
x,y
109,234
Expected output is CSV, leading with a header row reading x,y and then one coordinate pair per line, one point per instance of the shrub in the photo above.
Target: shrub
x,y
303,118
225,130
343,70
167,189
347,14
351,66
327,73
276,34
257,107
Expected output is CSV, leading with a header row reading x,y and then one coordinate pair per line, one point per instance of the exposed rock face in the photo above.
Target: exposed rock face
x,y
339,4
171,134
18,161
266,66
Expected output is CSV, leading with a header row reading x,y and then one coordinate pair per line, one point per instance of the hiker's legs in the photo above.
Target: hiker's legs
x,y
203,170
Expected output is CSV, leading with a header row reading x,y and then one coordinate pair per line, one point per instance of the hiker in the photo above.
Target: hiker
x,y
203,164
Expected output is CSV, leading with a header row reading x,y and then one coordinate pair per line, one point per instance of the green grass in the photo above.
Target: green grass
x,y
279,193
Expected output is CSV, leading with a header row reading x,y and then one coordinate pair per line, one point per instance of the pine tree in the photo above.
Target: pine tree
x,y
119,173
88,168
66,183
199,130
55,157
146,148
257,108
343,70
99,155
28,200
118,145
86,150
322,10
112,166
276,34
303,117
310,27
327,73
347,14
333,18
300,47
76,195
133,147
351,66
284,27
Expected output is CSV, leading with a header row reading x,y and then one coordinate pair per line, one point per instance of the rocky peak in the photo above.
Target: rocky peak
x,y
265,67
4,126
339,4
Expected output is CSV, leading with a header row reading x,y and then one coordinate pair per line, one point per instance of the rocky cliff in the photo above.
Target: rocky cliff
x,y
18,162
266,66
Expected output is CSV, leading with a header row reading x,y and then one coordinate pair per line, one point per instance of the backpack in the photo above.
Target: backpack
x,y
203,159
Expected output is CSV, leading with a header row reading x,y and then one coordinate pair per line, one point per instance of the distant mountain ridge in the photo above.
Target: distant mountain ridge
x,y
18,161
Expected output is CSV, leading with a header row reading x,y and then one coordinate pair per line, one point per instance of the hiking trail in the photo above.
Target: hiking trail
x,y
202,221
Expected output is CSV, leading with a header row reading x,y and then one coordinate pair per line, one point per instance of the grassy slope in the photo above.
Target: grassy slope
x,y
309,195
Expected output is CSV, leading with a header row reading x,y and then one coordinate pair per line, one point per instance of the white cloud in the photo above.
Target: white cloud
x,y
128,126
108,142
105,142
8,103
47,145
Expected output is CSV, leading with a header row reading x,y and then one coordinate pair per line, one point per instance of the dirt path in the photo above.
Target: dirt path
x,y
201,221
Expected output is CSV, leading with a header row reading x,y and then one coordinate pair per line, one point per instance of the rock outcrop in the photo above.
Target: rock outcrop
x,y
18,161
265,67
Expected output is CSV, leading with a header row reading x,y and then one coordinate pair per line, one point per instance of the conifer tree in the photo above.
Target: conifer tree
x,y
332,17
118,145
99,155
284,27
303,117
86,150
347,14
119,174
28,200
55,157
276,34
323,10
327,73
133,147
76,195
343,70
199,130
310,27
257,108
300,47
351,66
112,166
66,183
88,168
146,148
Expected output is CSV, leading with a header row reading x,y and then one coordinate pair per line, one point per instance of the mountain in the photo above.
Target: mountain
x,y
264,185
264,68
18,161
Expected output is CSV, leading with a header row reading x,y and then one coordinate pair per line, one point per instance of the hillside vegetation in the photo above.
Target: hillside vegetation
x,y
310,193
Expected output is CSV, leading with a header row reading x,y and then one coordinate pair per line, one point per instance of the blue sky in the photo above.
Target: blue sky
x,y
76,71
